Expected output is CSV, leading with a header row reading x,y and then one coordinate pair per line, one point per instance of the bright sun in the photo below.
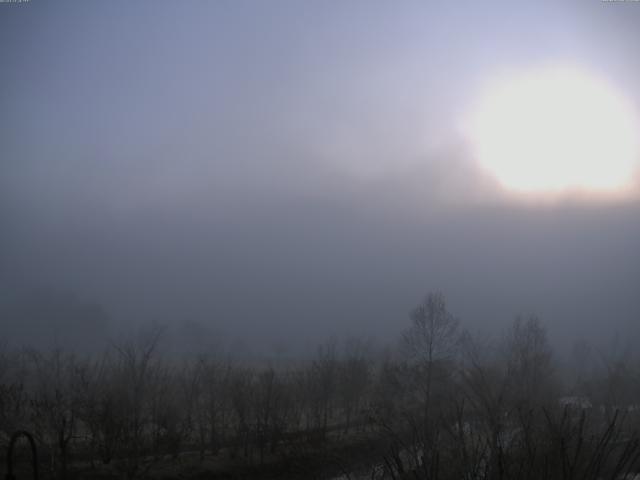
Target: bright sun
x,y
555,130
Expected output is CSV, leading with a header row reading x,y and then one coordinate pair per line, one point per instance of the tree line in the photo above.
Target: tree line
x,y
438,404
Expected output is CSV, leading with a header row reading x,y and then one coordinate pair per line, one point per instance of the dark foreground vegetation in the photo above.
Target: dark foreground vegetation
x,y
440,405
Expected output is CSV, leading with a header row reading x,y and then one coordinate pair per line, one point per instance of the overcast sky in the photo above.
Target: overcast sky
x,y
283,171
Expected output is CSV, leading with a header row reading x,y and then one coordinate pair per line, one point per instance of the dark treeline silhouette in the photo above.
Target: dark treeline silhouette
x,y
439,404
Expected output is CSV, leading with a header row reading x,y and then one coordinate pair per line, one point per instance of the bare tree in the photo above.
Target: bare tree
x,y
323,378
137,371
55,404
14,394
102,407
431,343
355,379
529,363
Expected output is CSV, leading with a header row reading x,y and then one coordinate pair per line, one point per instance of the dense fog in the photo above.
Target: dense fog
x,y
250,236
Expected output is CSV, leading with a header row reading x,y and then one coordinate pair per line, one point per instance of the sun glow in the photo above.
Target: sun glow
x,y
556,130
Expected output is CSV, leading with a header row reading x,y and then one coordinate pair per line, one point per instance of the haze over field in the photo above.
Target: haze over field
x,y
279,172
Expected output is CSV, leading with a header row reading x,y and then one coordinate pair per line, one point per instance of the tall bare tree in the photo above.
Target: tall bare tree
x,y
431,343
